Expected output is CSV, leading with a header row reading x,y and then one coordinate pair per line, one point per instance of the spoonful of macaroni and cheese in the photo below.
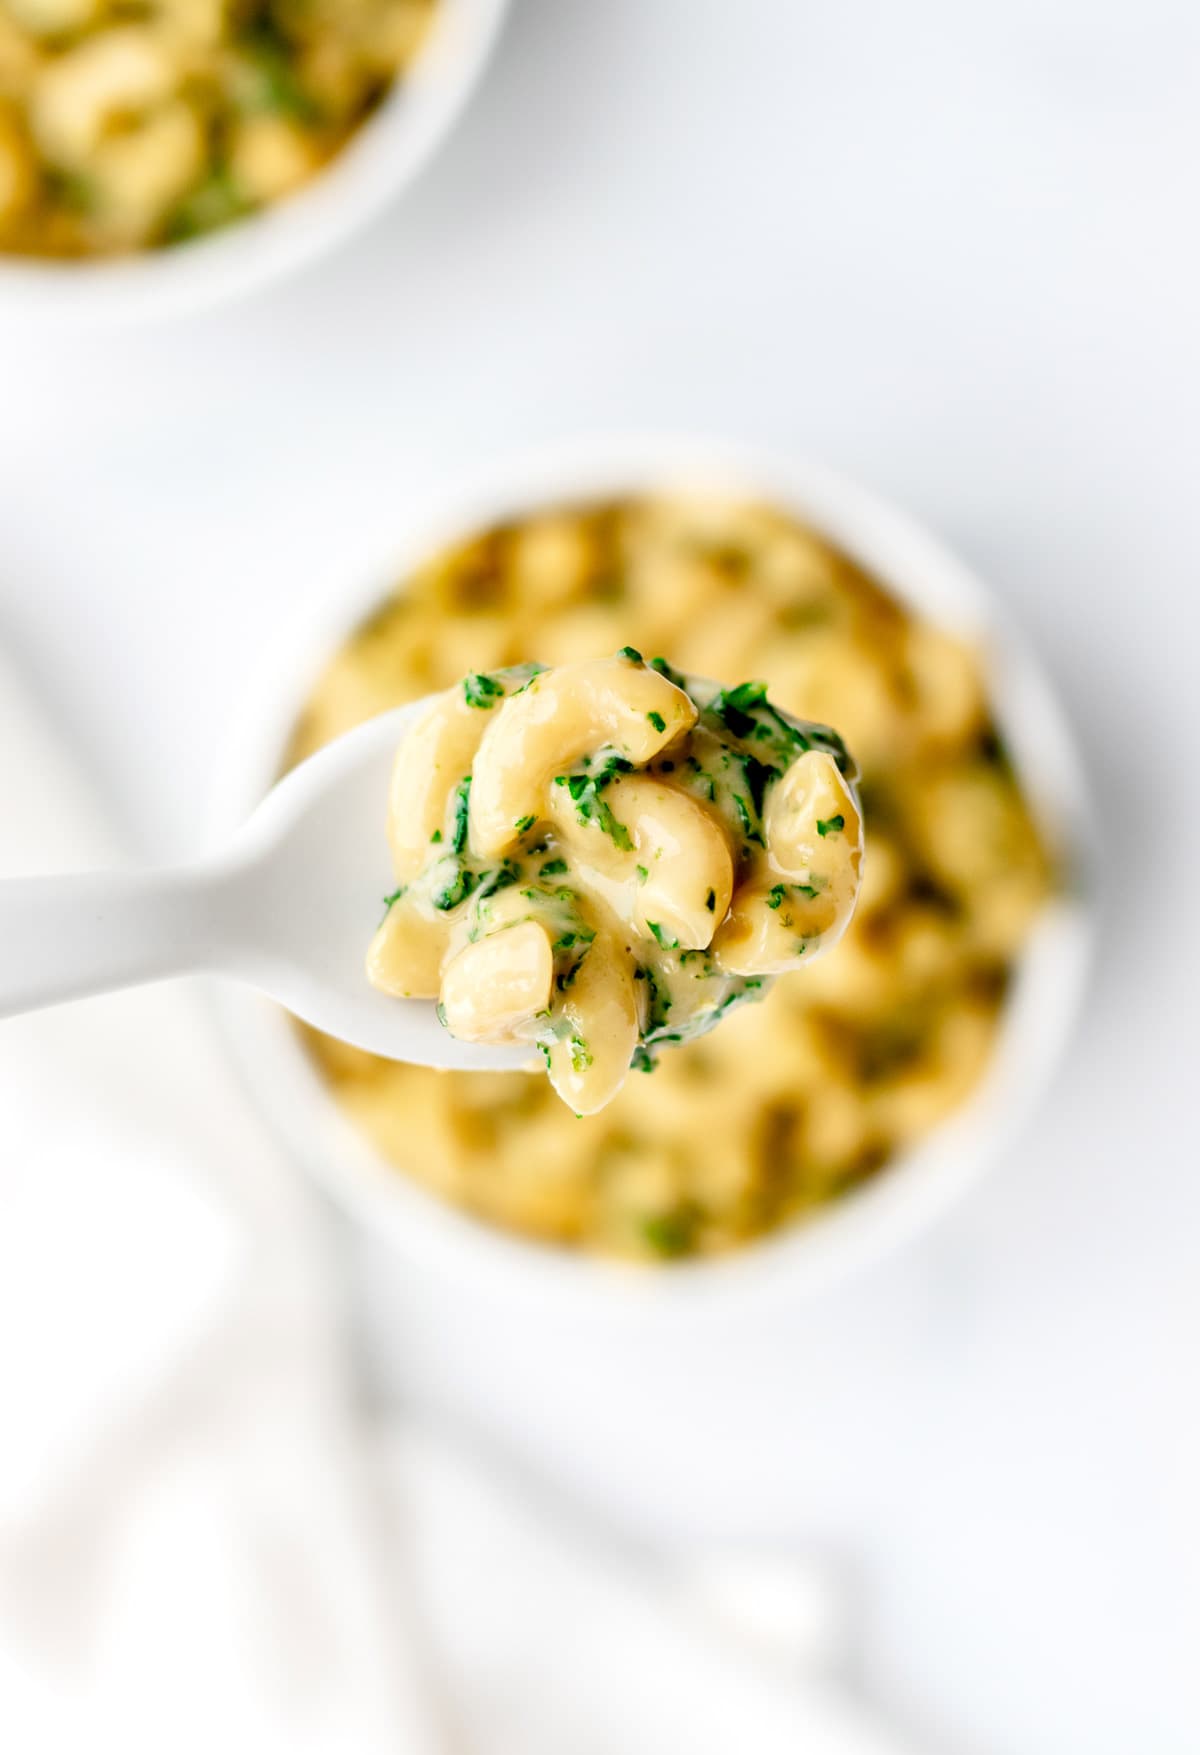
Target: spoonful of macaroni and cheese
x,y
605,858
588,863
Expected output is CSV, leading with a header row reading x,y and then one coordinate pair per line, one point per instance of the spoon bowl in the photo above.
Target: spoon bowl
x,y
288,907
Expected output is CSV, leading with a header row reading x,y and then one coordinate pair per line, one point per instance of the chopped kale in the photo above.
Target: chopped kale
x,y
672,676
590,807
671,1234
455,889
750,828
79,193
994,751
780,891
565,977
271,80
735,707
610,765
758,777
631,655
746,713
657,721
658,1004
501,878
214,202
826,738
581,935
616,832
830,825
462,807
482,691
534,671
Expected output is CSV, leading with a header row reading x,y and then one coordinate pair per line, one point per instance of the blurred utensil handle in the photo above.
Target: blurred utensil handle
x,y
70,936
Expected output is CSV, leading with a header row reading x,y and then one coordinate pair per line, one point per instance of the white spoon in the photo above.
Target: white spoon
x,y
288,906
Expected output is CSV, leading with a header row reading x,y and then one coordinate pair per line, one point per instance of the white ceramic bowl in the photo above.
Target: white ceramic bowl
x,y
1038,1016
380,159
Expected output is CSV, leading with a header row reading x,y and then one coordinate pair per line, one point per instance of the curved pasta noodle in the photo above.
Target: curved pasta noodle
x,y
109,110
494,986
812,821
813,833
437,752
678,869
770,928
588,1059
560,716
406,955
118,73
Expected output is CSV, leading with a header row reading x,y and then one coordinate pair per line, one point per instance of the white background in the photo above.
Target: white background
x,y
952,248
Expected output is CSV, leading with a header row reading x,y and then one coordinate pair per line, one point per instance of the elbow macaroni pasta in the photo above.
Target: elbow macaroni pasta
x,y
128,126
609,856
793,1102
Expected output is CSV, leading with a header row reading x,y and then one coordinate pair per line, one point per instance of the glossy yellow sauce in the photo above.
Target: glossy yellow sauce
x,y
793,1102
128,125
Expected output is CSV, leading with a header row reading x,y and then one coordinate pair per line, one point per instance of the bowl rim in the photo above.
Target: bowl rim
x,y
382,157
811,1255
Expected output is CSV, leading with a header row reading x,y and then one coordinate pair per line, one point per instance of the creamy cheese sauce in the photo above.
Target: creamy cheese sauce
x,y
609,857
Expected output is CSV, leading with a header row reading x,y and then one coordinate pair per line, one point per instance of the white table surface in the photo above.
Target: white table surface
x,y
953,249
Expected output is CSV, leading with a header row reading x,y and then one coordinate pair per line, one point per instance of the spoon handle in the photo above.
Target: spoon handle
x,y
66,937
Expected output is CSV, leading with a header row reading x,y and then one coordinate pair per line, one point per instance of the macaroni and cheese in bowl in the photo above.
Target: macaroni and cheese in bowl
x,y
852,1098
152,149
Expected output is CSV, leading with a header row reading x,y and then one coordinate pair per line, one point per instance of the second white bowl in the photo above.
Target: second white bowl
x,y
380,159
